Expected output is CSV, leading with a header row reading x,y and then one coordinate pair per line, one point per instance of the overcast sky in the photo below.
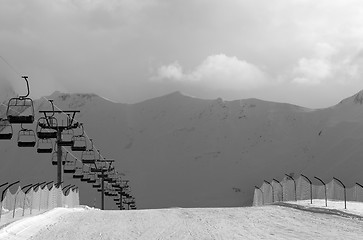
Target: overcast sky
x,y
304,52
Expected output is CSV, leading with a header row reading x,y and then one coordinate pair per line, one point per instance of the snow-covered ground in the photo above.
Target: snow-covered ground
x,y
266,222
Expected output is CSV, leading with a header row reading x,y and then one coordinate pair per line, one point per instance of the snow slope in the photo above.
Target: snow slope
x,y
267,222
180,151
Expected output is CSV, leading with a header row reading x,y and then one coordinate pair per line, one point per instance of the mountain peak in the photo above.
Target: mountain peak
x,y
355,99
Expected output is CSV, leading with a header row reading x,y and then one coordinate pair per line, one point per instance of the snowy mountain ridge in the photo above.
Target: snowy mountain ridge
x,y
183,151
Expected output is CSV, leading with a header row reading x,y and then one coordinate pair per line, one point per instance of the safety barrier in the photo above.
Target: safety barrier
x,y
302,188
35,199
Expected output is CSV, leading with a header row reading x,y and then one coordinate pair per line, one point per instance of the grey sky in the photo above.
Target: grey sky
x,y
304,52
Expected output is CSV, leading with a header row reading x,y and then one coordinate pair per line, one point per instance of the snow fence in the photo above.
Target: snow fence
x,y
301,189
19,204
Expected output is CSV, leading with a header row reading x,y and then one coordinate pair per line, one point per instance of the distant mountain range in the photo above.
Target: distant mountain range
x,y
181,151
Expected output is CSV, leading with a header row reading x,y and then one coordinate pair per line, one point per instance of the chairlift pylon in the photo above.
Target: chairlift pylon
x,y
6,129
44,145
26,137
17,110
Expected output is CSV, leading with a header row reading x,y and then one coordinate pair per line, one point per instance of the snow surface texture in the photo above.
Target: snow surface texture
x,y
187,152
266,222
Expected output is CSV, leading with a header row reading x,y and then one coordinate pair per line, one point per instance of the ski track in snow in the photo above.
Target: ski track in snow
x,y
266,222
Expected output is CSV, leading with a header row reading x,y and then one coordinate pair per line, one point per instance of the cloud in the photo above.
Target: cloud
x,y
172,71
217,72
312,71
327,64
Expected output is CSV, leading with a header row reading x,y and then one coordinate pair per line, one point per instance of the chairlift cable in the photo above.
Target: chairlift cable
x,y
84,131
7,63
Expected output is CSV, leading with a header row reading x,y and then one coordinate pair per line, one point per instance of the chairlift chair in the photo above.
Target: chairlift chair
x,y
17,110
97,184
78,172
104,175
70,166
92,178
88,156
79,143
67,136
44,145
85,177
6,129
26,138
55,158
46,127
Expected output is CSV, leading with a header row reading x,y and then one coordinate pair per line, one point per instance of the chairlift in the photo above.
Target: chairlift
x,y
99,166
26,138
104,175
6,129
78,172
85,177
89,155
55,158
97,184
92,178
44,145
78,129
17,108
79,143
67,135
70,166
47,127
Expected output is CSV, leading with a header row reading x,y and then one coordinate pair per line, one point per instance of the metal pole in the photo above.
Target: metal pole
x,y
40,189
356,192
261,193
311,188
103,191
35,186
272,190
16,195
59,157
294,184
121,198
282,189
345,193
26,192
2,196
326,200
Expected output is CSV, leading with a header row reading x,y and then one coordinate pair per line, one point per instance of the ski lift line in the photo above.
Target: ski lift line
x,y
85,133
12,109
9,65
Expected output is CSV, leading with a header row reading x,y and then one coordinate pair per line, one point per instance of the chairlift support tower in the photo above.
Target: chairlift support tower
x,y
71,124
102,174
